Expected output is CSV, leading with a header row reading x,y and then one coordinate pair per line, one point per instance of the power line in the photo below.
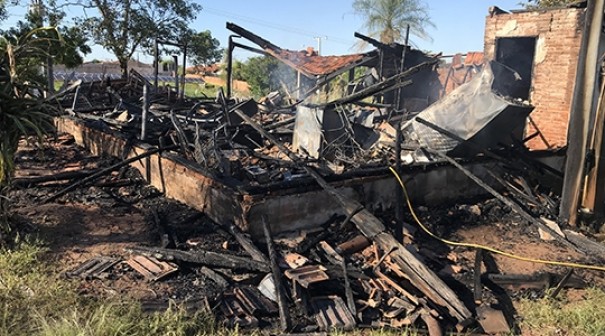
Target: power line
x,y
299,31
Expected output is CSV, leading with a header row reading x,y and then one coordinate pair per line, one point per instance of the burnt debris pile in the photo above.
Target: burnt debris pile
x,y
300,185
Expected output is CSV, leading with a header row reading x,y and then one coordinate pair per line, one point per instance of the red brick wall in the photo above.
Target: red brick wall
x,y
559,34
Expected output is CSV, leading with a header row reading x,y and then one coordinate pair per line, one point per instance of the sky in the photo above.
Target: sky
x,y
296,25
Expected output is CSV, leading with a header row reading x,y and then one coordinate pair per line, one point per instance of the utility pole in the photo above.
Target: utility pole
x,y
318,39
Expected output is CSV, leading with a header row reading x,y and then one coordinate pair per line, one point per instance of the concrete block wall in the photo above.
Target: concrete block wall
x,y
559,35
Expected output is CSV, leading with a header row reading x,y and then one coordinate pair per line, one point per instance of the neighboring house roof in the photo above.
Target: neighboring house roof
x,y
206,69
474,58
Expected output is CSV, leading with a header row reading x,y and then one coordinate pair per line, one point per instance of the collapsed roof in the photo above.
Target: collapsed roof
x,y
309,64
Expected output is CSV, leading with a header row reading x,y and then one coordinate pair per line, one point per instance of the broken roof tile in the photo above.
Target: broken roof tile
x,y
315,65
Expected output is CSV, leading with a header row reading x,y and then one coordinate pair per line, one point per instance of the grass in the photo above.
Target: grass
x,y
36,301
563,317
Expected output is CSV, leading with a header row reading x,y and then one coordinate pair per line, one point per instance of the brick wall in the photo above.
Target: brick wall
x,y
559,34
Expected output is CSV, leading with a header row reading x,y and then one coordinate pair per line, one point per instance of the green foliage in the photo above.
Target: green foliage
x,y
237,70
125,25
549,316
387,20
265,74
21,111
3,10
66,45
203,49
539,4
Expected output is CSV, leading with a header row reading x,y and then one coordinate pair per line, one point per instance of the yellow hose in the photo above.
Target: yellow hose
x,y
483,247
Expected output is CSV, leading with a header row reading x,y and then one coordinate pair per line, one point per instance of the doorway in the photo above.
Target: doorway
x,y
518,54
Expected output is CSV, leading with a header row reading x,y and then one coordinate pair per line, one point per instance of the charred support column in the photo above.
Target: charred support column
x,y
399,192
581,109
156,70
402,66
144,113
182,96
230,48
176,74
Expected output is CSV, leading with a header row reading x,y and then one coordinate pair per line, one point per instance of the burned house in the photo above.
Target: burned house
x,y
326,167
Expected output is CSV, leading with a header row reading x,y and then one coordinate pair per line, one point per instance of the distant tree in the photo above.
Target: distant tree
x,y
387,20
65,45
123,26
536,4
237,70
265,74
2,10
256,72
203,49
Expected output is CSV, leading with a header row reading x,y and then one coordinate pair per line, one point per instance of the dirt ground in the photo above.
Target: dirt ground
x,y
103,221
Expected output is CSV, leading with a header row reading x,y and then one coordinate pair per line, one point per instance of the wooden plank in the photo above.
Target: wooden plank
x,y
582,106
247,244
284,316
593,196
203,257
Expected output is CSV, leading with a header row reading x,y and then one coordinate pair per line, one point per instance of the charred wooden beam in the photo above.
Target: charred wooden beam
x,y
261,42
247,244
62,176
284,317
477,286
419,274
203,257
105,171
514,206
212,275
391,82
377,44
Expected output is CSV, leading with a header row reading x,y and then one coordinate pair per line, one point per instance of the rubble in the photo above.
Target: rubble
x,y
347,265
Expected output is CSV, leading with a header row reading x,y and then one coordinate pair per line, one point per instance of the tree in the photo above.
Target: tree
x,y
536,4
387,20
125,25
265,74
203,49
2,10
22,111
67,48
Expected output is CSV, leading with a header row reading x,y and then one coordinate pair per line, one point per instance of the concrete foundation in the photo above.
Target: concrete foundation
x,y
293,205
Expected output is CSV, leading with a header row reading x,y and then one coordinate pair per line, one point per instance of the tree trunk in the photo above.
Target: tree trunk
x,y
124,67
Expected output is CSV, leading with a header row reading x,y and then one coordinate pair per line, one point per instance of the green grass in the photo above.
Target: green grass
x,y
36,301
561,317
